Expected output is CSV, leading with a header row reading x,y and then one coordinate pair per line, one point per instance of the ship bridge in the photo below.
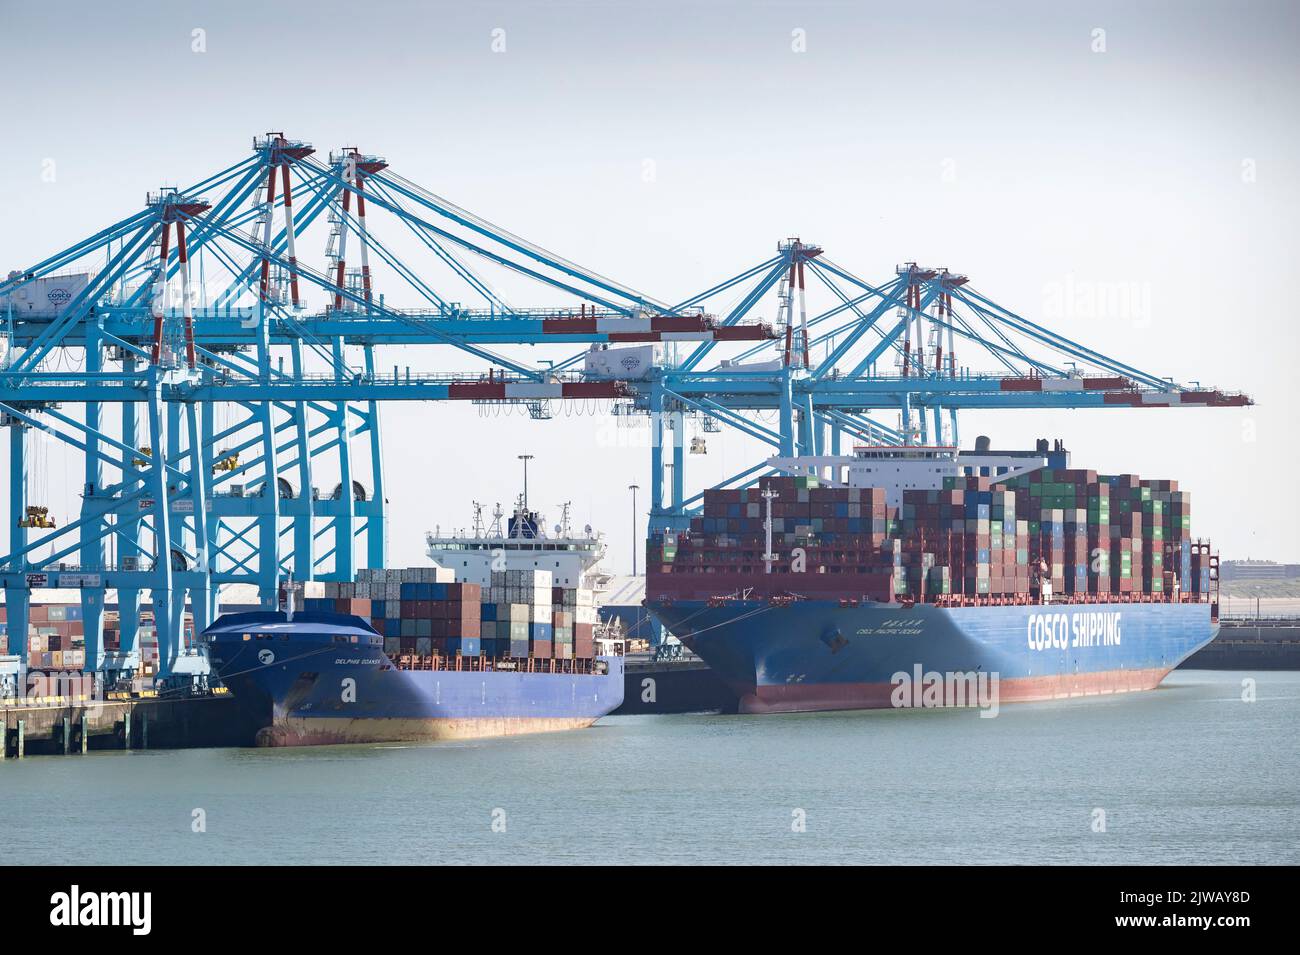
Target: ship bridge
x,y
910,467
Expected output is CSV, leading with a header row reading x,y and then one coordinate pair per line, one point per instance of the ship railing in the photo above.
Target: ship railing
x,y
1251,620
1013,600
579,666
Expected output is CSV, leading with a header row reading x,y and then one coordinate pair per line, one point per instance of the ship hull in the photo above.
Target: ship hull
x,y
326,731
305,688
817,655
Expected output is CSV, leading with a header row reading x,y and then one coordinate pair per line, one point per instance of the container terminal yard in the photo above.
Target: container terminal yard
x,y
203,419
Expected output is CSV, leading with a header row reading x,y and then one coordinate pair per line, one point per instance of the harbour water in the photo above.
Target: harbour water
x,y
1191,773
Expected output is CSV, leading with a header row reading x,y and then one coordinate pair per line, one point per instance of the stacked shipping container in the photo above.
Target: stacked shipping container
x,y
1108,534
424,612
56,636
1080,532
837,538
964,539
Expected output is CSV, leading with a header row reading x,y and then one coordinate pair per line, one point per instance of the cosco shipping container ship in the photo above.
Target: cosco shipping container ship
x,y
851,579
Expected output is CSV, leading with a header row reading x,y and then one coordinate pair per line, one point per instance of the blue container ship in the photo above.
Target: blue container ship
x,y
914,576
314,678
807,655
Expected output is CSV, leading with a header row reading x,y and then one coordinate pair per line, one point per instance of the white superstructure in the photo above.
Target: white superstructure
x,y
899,468
521,545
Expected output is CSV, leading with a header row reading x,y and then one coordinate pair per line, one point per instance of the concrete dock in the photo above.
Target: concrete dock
x,y
76,726
1251,643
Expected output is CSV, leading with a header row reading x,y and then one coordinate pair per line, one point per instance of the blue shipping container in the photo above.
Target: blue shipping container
x,y
468,646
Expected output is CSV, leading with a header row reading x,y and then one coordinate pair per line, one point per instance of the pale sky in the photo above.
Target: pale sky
x,y
996,140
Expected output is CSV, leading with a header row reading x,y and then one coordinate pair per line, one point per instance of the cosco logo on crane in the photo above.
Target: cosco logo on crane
x,y
58,296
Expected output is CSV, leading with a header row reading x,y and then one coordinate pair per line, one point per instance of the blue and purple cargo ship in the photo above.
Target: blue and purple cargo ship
x,y
324,678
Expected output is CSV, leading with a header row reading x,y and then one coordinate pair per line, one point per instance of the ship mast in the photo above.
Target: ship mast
x,y
525,458
768,556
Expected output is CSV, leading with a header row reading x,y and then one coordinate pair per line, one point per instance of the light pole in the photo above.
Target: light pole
x,y
525,458
634,488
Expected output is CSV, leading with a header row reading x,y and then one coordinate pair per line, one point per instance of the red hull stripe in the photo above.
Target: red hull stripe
x,y
806,698
297,731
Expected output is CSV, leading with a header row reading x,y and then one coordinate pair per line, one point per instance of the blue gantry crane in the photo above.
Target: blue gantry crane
x,y
210,402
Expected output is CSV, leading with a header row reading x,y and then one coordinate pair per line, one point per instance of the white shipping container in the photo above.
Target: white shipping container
x,y
624,364
44,297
